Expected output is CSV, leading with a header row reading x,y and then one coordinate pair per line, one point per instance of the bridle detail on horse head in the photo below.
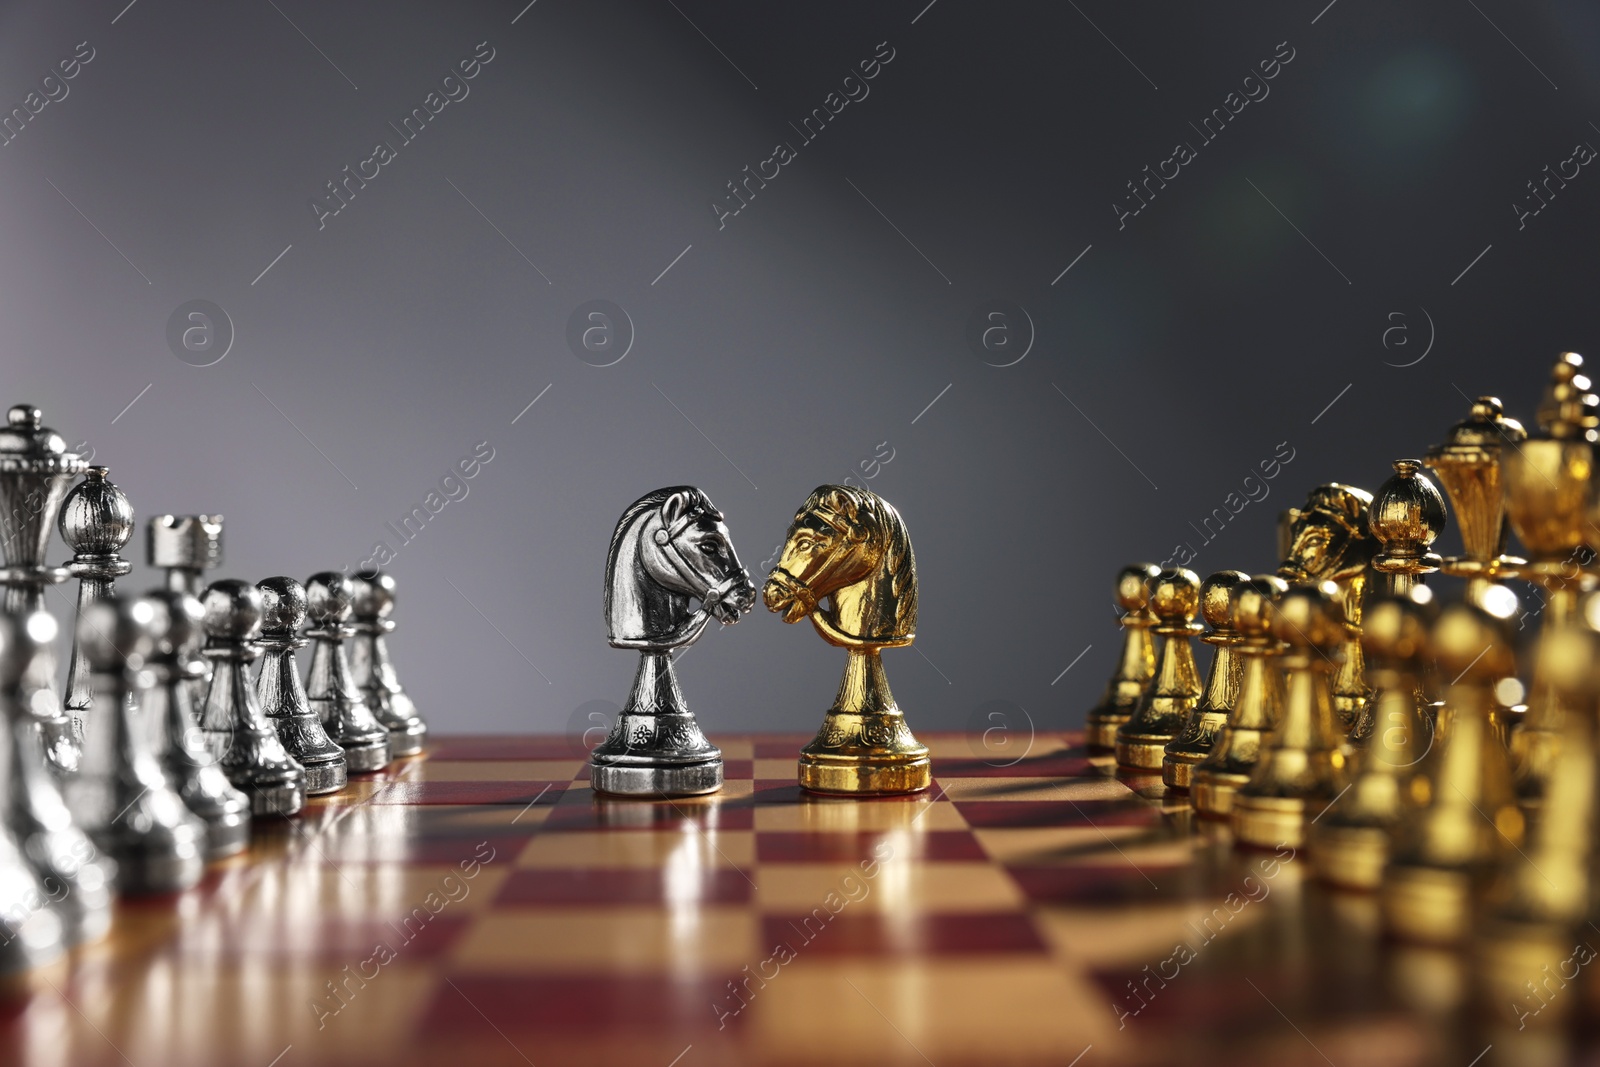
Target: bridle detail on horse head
x,y
669,546
666,538
851,546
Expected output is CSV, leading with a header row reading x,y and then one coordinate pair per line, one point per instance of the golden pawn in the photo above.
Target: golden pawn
x,y
1255,714
1445,849
1547,500
1329,540
1302,769
1534,912
1138,664
1210,715
1173,693
1350,843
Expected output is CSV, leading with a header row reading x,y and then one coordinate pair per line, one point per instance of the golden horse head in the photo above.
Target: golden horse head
x,y
850,546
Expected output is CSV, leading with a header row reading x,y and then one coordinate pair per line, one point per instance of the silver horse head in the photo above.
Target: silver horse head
x,y
669,547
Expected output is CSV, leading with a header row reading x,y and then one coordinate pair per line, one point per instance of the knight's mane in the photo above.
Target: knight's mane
x,y
893,612
635,511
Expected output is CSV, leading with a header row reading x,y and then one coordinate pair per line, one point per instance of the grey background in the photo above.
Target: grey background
x,y
1246,306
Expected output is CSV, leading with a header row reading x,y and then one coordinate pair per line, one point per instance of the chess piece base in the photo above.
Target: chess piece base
x,y
866,776
866,750
367,756
207,793
1268,822
86,909
1350,857
656,747
284,797
154,875
1427,904
1142,752
1178,773
227,834
408,739
162,863
656,780
1190,747
327,777
308,743
1214,792
1100,732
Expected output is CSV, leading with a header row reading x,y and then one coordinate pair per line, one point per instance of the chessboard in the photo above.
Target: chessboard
x,y
479,904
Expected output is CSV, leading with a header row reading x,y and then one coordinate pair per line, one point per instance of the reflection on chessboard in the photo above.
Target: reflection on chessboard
x,y
1370,822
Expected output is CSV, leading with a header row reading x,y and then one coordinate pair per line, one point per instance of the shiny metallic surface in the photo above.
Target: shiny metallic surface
x,y
1137,665
1210,715
175,735
1447,851
1538,904
283,695
1350,842
669,547
1549,497
235,730
1173,693
1469,464
186,546
850,547
31,933
120,796
35,470
1406,516
1301,770
32,805
661,780
191,544
33,817
1330,540
331,692
373,670
1233,757
96,521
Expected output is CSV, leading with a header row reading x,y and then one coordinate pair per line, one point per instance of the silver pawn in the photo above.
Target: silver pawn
x,y
283,696
332,692
32,932
35,470
96,521
74,873
175,737
186,546
374,671
237,733
120,796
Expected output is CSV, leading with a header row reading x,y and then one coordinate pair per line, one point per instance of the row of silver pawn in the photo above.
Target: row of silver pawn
x,y
180,747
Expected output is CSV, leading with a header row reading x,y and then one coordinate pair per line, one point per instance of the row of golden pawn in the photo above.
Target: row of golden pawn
x,y
1347,713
